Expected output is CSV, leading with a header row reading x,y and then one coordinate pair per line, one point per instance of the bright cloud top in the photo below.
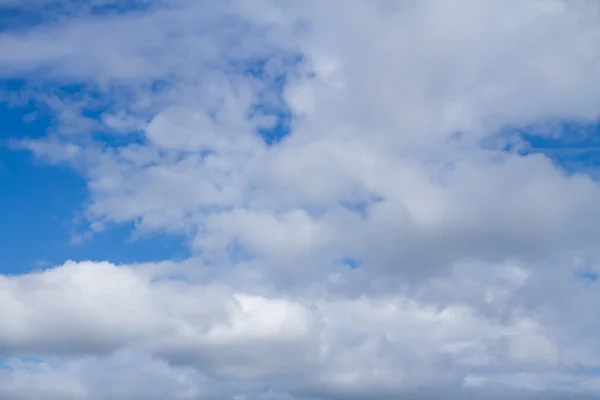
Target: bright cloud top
x,y
363,219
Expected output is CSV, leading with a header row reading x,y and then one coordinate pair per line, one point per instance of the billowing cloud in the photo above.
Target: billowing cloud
x,y
363,220
361,346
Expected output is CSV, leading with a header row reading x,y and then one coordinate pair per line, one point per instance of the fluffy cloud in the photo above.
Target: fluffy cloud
x,y
391,120
362,346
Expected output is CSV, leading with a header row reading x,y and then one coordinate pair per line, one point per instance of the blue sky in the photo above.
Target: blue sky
x,y
572,145
41,208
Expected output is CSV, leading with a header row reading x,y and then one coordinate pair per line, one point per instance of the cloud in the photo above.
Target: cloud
x,y
391,120
359,346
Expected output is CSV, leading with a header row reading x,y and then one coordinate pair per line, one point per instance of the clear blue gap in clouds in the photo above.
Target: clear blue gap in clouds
x,y
40,203
27,14
572,145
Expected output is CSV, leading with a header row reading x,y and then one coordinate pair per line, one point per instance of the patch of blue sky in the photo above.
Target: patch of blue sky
x,y
125,246
25,15
39,204
276,132
570,144
38,208
36,205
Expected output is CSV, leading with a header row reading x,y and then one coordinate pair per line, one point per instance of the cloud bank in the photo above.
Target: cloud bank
x,y
363,218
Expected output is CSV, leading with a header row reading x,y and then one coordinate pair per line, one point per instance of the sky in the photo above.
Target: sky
x,y
299,200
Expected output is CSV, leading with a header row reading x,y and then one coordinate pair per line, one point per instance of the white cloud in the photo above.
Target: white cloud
x,y
467,253
392,344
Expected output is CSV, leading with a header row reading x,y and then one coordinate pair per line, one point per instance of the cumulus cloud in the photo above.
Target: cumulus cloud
x,y
282,139
362,346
